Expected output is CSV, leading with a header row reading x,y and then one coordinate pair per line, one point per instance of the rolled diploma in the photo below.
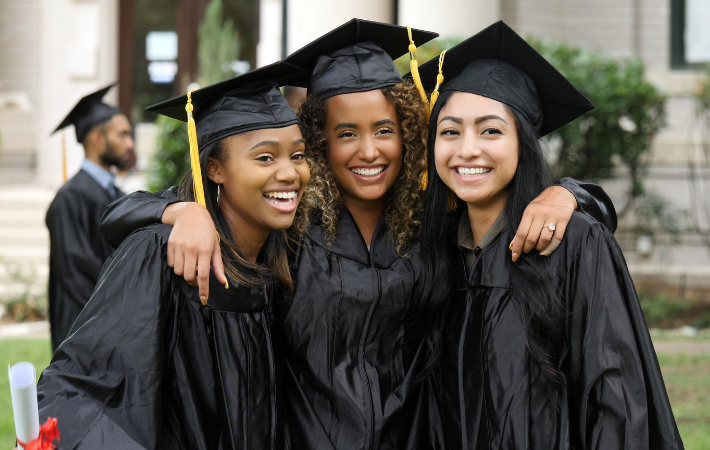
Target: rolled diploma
x,y
23,389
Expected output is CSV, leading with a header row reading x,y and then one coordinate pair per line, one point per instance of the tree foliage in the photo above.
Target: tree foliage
x,y
172,154
218,45
628,113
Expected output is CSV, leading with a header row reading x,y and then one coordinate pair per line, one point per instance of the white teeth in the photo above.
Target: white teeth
x,y
281,194
470,171
369,172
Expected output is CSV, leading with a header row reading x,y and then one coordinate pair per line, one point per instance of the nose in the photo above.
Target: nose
x,y
287,173
368,150
469,147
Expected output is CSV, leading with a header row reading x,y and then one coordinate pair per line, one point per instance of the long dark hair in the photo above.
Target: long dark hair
x,y
531,286
272,262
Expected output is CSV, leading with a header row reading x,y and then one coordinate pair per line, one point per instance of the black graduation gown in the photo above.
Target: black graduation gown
x,y
77,249
350,361
146,366
491,395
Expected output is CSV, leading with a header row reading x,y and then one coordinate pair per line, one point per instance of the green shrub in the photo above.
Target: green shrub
x,y
628,112
29,302
172,154
660,308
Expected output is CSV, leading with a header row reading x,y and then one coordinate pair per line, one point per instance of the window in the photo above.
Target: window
x,y
690,34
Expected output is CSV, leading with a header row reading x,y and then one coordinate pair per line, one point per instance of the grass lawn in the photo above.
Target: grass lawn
x,y
687,380
38,352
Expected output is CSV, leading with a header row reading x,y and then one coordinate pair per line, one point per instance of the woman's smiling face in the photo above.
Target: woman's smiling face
x,y
263,177
364,144
476,148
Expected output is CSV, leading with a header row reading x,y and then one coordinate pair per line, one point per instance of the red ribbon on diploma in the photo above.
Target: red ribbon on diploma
x,y
47,434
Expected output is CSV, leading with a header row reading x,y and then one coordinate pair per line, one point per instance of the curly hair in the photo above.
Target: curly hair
x,y
324,196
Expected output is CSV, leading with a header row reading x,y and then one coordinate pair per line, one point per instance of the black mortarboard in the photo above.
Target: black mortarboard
x,y
355,57
497,63
89,112
240,104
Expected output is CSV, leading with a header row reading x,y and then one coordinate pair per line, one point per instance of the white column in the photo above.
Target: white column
x,y
309,19
268,50
79,55
449,18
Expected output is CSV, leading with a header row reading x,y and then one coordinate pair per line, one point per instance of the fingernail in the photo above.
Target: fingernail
x,y
515,257
203,299
510,247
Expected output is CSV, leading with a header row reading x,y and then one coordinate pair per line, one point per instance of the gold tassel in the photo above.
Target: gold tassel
x,y
64,156
198,188
439,82
414,67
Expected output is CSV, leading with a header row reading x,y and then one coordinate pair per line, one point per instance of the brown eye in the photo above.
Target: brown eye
x,y
492,131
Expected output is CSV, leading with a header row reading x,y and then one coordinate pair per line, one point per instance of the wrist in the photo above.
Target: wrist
x,y
173,211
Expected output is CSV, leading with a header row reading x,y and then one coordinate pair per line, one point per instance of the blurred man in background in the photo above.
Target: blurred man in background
x,y
77,248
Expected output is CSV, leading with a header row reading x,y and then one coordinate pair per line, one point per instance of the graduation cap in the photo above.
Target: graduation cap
x,y
89,112
355,57
497,63
244,103
240,104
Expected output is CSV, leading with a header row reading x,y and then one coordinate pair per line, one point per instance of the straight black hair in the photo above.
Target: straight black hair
x,y
531,286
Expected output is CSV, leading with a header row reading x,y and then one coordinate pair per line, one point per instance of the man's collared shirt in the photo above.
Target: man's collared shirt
x,y
102,176
465,237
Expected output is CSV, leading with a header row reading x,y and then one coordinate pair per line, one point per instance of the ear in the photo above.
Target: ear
x,y
216,171
97,138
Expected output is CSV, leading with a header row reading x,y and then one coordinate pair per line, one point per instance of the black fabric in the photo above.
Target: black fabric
x,y
491,393
231,107
592,200
350,359
355,57
77,249
147,366
497,63
89,112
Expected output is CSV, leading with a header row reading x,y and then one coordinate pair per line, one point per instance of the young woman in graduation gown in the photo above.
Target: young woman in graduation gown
x,y
147,365
543,352
351,358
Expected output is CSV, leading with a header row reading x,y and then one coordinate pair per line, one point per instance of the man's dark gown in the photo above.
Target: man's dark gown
x,y
350,359
77,249
147,366
492,396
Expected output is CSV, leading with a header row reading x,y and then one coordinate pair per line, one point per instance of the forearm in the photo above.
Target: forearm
x,y
591,200
134,211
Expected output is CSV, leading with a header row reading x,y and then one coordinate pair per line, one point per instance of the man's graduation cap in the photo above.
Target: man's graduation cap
x,y
89,112
355,57
240,104
497,63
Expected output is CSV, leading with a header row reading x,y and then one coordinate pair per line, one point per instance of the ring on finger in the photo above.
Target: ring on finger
x,y
551,227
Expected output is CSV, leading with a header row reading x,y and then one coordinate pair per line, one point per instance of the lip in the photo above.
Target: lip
x,y
283,207
369,179
470,179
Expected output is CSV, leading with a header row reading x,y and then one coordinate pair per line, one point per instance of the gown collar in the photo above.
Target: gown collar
x,y
349,243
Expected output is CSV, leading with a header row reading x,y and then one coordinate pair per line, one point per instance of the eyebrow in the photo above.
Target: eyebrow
x,y
299,141
383,122
453,119
264,143
490,117
477,121
345,125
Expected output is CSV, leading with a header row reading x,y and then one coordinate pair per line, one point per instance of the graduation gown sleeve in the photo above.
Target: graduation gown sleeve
x,y
134,211
618,397
591,200
104,381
